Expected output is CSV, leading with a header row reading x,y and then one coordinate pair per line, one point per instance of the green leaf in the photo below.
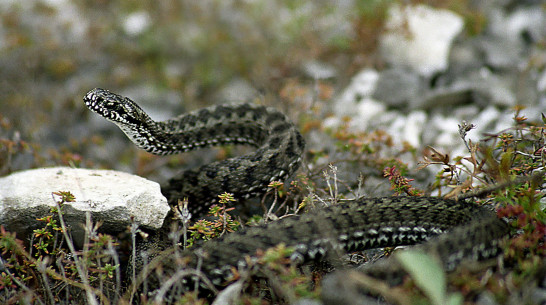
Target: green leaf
x,y
506,164
455,299
427,273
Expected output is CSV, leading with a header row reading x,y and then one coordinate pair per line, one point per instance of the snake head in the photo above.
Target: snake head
x,y
114,107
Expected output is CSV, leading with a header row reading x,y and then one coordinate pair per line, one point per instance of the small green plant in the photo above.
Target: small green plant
x,y
54,269
18,268
47,237
220,222
507,169
428,276
285,280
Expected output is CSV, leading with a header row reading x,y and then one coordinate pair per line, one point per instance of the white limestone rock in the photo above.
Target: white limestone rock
x,y
409,128
420,37
110,196
356,102
361,87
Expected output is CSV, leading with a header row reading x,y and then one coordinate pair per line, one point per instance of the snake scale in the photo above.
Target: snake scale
x,y
474,231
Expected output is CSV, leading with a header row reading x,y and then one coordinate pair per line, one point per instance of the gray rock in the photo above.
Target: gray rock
x,y
445,96
523,24
307,302
465,56
480,87
538,296
319,70
541,82
485,298
342,287
396,87
490,88
511,34
230,295
110,196
466,112
501,53
236,91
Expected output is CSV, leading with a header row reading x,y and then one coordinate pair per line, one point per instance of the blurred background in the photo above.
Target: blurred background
x,y
412,68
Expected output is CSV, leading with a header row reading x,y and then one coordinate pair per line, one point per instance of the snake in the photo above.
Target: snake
x,y
451,230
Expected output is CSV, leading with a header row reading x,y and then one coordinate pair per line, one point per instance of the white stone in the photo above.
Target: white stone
x,y
136,23
362,85
230,295
367,110
420,37
511,25
410,127
448,131
541,83
356,102
237,90
319,70
483,122
110,196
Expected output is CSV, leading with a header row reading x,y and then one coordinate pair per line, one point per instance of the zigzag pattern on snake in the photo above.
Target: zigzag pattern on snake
x,y
474,231
280,146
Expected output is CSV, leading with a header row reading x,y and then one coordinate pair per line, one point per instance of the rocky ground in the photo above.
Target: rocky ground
x,y
414,71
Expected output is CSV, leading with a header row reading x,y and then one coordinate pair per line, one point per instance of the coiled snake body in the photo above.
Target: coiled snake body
x,y
359,224
280,145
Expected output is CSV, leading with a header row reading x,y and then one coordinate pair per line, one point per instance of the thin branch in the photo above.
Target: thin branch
x,y
487,190
91,296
